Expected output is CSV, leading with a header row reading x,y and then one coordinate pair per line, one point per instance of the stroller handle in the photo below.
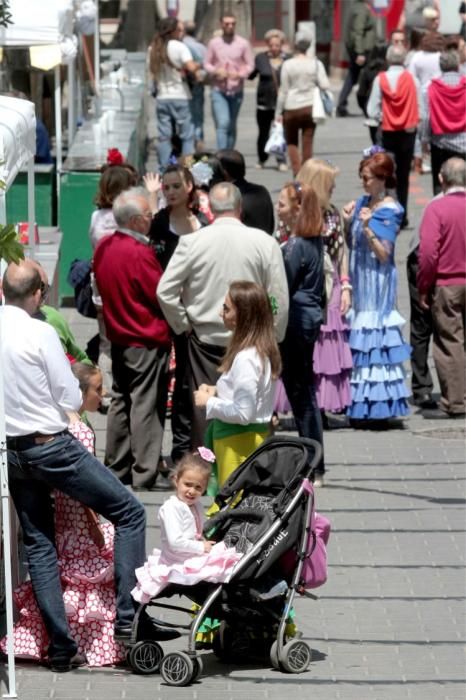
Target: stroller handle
x,y
248,514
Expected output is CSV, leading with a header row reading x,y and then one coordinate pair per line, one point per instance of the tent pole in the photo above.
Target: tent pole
x,y
97,51
71,101
31,209
58,130
5,499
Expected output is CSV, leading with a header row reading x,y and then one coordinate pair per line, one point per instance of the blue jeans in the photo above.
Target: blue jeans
x,y
225,110
174,116
298,378
66,465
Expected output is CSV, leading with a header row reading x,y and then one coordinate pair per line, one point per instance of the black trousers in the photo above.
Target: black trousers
x,y
204,360
352,77
264,119
420,333
438,156
136,415
401,144
298,379
182,408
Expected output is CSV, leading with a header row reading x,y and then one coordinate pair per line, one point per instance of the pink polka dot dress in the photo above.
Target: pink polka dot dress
x,y
87,582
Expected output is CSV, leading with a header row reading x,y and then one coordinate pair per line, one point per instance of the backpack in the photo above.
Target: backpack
x,y
79,277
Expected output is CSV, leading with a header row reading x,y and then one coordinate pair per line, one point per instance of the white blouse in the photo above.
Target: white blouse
x,y
245,394
180,530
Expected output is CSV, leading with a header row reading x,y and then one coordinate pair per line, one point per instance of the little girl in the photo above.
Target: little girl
x,y
185,556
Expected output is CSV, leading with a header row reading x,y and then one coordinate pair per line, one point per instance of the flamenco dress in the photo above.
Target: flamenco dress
x,y
87,578
378,385
332,354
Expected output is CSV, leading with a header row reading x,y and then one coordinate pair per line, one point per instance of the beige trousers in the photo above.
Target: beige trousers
x,y
448,318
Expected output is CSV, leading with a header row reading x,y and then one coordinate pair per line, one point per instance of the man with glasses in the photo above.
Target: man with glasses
x,y
127,274
229,61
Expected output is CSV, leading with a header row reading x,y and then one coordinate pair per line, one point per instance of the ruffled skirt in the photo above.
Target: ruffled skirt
x,y
215,566
332,358
378,387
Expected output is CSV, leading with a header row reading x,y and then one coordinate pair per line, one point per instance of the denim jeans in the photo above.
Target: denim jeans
x,y
298,378
174,116
66,465
225,110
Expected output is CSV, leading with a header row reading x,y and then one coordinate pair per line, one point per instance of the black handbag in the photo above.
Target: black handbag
x,y
79,277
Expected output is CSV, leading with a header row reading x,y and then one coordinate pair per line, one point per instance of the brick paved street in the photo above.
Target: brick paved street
x,y
390,623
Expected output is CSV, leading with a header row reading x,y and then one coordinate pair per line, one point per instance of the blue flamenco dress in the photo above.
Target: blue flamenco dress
x,y
378,388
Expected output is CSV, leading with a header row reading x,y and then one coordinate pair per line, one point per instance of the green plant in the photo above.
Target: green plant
x,y
11,249
5,14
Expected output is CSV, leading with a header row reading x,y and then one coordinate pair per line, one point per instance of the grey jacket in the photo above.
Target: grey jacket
x,y
361,29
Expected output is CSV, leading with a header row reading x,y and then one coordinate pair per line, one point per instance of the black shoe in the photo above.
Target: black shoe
x,y
425,401
342,112
65,665
147,629
438,414
404,224
137,489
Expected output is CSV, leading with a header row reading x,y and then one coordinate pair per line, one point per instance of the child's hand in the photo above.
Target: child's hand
x,y
208,544
211,390
152,183
200,398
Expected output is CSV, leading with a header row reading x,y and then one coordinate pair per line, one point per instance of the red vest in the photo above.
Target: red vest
x,y
447,105
399,108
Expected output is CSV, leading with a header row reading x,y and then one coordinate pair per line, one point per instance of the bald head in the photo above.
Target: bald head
x,y
21,284
225,200
453,173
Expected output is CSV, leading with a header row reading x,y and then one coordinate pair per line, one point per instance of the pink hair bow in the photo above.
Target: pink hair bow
x,y
206,454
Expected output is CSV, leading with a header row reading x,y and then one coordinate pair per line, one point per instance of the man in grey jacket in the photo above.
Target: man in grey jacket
x,y
360,40
193,288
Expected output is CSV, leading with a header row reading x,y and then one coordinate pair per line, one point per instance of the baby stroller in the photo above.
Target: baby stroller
x,y
265,509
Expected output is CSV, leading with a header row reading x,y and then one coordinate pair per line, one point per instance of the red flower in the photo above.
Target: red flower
x,y
114,157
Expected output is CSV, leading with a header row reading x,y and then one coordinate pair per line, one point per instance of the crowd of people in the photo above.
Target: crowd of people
x,y
193,282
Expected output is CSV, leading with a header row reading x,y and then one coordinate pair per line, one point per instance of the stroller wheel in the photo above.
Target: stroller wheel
x,y
145,657
295,656
177,668
274,656
198,668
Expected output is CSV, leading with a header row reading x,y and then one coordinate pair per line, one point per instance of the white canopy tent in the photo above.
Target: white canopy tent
x,y
17,150
50,28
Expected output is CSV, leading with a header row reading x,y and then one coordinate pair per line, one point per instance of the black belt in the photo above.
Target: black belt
x,y
25,442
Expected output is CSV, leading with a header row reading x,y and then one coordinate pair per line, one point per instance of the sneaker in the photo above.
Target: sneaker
x,y
319,481
259,166
282,167
65,665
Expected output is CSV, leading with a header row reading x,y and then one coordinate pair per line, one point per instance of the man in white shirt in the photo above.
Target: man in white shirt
x,y
42,455
192,289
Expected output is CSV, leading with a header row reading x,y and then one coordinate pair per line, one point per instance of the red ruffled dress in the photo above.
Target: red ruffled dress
x,y
87,578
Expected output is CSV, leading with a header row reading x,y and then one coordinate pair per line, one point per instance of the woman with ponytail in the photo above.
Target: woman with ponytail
x,y
169,60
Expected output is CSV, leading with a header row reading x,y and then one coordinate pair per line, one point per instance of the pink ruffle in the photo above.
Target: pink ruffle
x,y
215,566
332,354
333,392
281,403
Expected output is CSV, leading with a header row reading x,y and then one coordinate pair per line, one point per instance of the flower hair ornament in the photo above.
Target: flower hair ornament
x,y
206,454
114,157
372,150
202,173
